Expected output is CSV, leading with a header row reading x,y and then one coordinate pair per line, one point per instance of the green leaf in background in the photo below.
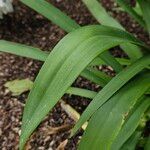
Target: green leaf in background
x,y
106,123
64,64
101,15
96,76
145,6
126,6
134,52
81,92
110,60
138,10
98,61
104,18
52,13
17,87
22,50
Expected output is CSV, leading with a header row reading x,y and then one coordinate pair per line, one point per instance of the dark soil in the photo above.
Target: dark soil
x,y
28,27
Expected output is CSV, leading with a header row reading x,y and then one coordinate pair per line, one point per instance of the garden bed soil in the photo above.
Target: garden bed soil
x,y
28,27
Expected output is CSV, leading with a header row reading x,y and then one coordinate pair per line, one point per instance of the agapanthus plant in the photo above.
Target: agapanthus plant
x,y
115,112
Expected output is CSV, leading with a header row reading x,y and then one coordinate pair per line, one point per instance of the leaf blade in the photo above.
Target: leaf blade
x,y
52,13
22,50
131,11
131,123
145,6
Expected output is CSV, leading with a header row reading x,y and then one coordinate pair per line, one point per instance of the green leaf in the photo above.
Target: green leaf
x,y
17,87
138,10
52,13
148,91
145,6
106,123
64,64
100,14
134,52
113,86
96,76
98,61
124,61
104,18
132,141
131,123
125,5
22,50
109,59
81,92
147,146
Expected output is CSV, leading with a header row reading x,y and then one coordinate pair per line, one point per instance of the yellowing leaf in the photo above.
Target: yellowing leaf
x,y
17,87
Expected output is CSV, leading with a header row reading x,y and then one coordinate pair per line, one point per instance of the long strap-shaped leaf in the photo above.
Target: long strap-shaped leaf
x,y
131,123
111,116
99,12
68,59
81,92
104,18
66,23
96,76
22,50
53,14
131,11
110,60
132,141
98,61
145,6
114,85
137,9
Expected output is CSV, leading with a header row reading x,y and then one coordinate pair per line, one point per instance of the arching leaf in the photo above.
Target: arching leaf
x,y
104,18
